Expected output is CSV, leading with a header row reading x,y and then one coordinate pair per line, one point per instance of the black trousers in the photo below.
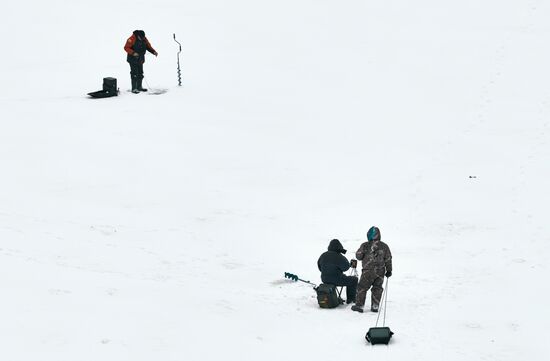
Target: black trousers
x,y
351,286
136,70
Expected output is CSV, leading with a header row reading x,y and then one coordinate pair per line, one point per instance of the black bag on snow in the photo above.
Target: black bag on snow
x,y
377,335
327,296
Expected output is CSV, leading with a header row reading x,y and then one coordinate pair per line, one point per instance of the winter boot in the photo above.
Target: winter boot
x,y
374,308
139,87
357,308
134,86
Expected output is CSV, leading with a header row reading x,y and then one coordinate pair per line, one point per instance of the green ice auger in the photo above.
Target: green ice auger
x,y
295,278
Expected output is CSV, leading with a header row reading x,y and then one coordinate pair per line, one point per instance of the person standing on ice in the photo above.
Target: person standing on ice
x,y
377,262
332,265
135,47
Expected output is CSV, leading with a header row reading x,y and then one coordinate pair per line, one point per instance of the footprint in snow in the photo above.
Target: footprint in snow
x,y
58,292
104,229
473,326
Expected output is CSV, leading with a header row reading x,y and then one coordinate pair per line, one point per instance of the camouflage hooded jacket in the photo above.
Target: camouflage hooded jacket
x,y
375,256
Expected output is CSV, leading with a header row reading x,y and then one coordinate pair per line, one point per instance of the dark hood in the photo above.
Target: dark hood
x,y
336,246
374,234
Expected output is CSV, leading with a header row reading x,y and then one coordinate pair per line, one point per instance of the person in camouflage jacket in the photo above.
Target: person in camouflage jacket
x,y
377,261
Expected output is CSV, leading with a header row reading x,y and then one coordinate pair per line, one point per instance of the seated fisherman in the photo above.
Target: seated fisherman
x,y
332,265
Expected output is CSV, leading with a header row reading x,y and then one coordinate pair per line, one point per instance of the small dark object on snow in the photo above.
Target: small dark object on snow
x,y
109,89
473,176
109,84
379,335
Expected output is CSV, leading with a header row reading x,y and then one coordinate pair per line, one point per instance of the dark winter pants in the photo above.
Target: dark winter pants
x,y
136,70
351,286
370,279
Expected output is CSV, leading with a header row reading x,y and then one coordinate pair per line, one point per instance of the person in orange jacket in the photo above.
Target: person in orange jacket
x,y
135,47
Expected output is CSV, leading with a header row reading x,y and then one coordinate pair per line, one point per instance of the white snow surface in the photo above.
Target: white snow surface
x,y
146,227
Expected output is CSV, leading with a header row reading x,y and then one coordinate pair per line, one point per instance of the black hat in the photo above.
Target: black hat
x,y
139,33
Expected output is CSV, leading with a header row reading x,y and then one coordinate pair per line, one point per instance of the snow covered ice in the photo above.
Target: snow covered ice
x,y
159,227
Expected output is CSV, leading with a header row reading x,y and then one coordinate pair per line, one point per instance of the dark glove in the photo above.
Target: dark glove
x,y
388,274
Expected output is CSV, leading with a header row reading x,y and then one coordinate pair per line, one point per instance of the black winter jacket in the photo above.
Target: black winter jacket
x,y
332,263
138,43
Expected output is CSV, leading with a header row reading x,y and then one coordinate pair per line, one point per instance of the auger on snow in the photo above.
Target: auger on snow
x,y
179,70
295,278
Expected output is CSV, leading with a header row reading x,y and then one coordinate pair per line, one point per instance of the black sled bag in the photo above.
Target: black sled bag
x,y
109,89
379,335
327,296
